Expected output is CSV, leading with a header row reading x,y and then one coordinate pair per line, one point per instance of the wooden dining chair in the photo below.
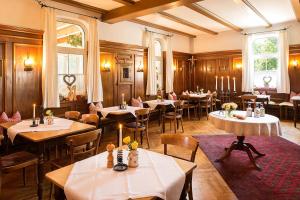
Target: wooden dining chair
x,y
186,142
92,119
72,115
90,140
214,101
175,116
206,104
189,104
17,161
246,99
140,124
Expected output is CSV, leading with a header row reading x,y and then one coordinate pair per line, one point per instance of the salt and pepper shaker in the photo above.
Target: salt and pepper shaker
x,y
249,110
257,111
262,110
110,158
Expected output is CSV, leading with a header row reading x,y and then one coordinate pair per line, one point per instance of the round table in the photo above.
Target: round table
x,y
263,126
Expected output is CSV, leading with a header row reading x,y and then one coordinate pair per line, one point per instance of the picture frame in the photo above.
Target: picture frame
x,y
126,74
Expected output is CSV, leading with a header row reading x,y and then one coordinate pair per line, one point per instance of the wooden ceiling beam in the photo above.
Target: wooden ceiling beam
x,y
210,15
81,5
149,24
296,8
247,3
141,8
186,23
125,2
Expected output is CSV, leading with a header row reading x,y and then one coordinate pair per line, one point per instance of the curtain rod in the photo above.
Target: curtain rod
x,y
47,6
283,29
168,35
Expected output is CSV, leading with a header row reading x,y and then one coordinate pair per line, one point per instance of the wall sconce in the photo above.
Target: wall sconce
x,y
238,65
140,67
106,66
295,63
28,64
174,68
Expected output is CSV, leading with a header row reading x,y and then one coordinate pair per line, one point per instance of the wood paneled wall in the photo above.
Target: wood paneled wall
x,y
19,89
182,72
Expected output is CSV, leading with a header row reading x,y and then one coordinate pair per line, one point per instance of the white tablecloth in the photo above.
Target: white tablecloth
x,y
157,175
263,96
295,98
263,126
154,103
198,95
24,126
117,110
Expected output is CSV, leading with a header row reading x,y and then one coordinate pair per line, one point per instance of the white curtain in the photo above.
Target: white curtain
x,y
283,80
247,70
49,69
151,78
93,76
169,65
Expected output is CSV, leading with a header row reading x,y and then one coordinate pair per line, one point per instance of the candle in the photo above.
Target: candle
x,y
228,81
222,78
216,83
122,98
120,135
234,84
33,111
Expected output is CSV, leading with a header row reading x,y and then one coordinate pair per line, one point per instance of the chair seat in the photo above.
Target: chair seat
x,y
289,104
171,115
134,125
18,160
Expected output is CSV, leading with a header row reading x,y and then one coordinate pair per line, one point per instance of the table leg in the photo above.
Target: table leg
x,y
5,141
241,146
295,112
59,193
40,169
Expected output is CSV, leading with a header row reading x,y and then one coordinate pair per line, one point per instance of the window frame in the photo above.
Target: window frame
x,y
160,59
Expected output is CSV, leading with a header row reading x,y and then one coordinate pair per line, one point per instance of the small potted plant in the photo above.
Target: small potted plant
x,y
133,153
229,107
49,117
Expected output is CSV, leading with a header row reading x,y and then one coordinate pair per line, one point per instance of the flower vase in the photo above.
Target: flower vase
x,y
49,120
229,113
133,159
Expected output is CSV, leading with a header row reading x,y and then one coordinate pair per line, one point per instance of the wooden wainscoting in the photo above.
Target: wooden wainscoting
x,y
182,72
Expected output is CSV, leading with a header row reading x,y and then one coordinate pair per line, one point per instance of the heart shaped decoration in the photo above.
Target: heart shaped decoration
x,y
69,79
267,79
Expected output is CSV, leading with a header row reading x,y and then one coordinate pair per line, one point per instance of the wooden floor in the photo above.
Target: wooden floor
x,y
207,182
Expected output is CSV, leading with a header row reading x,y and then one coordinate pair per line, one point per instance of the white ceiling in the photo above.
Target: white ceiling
x,y
233,11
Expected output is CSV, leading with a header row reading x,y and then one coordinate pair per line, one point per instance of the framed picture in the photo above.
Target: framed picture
x,y
126,74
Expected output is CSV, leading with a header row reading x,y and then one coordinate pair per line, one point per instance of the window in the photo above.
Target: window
x,y
158,63
71,56
265,59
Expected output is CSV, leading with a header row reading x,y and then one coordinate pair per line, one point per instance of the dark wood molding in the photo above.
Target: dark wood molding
x,y
125,2
296,8
259,14
141,8
21,32
294,49
81,5
187,23
149,24
213,16
108,46
217,54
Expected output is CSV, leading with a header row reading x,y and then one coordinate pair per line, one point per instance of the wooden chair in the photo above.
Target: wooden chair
x,y
186,142
175,116
248,99
140,124
214,101
91,142
188,104
72,115
206,104
16,161
92,119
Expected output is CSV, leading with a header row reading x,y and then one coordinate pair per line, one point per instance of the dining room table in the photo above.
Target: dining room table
x,y
40,136
241,126
157,176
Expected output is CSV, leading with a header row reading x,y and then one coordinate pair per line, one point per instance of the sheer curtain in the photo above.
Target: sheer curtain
x,y
49,69
247,70
151,74
93,75
169,65
283,80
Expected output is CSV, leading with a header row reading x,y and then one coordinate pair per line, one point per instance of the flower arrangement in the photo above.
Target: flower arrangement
x,y
229,107
49,117
132,145
49,113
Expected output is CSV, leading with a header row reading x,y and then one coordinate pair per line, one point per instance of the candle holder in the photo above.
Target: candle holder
x,y
120,166
234,93
34,124
42,115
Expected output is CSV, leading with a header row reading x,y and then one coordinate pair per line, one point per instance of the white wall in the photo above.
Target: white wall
x,y
232,40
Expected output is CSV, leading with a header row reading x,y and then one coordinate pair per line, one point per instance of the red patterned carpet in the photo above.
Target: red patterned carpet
x,y
280,175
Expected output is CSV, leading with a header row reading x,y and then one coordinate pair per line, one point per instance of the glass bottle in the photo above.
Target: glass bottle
x,y
257,111
262,110
249,110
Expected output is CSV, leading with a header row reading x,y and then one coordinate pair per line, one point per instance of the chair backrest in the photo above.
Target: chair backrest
x,y
88,138
186,142
92,119
248,99
73,115
142,116
178,107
